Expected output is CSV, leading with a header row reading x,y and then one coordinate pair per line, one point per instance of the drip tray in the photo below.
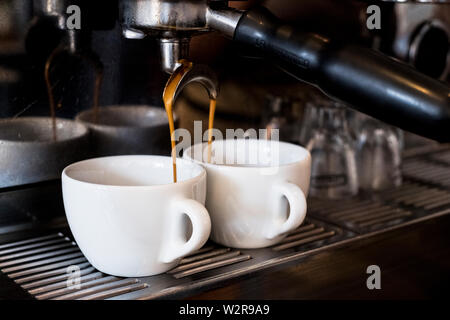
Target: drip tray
x,y
410,202
43,264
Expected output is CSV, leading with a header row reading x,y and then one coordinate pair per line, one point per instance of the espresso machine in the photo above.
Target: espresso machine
x,y
379,86
398,74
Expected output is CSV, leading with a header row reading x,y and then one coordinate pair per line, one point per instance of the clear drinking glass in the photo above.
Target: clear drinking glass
x,y
334,171
310,121
379,148
282,113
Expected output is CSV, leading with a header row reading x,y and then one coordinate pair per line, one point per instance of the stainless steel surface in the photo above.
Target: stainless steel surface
x,y
224,21
123,130
36,261
167,18
32,246
432,170
174,23
172,51
55,9
290,243
50,280
443,157
330,225
35,251
419,196
53,279
360,215
86,288
203,75
29,154
164,17
133,34
33,256
73,40
413,23
63,283
35,241
116,291
48,270
412,200
213,259
14,23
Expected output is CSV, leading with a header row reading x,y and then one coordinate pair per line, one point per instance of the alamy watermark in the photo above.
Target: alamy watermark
x,y
73,21
74,277
374,280
374,17
252,147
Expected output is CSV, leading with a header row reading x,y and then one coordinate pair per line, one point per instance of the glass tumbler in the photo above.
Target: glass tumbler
x,y
379,159
333,172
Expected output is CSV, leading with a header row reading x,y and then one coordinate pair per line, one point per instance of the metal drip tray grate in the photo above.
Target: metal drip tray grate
x,y
418,196
360,215
428,171
208,258
40,263
443,157
425,192
42,266
307,234
391,207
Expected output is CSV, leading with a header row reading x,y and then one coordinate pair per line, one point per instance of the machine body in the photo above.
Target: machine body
x,y
365,79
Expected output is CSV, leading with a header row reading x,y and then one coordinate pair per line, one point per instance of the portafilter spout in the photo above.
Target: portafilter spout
x,y
172,22
172,51
201,74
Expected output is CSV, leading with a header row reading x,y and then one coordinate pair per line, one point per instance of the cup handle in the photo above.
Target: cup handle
x,y
201,229
297,204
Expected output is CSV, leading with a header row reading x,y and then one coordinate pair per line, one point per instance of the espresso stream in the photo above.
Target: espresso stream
x,y
51,97
212,111
168,96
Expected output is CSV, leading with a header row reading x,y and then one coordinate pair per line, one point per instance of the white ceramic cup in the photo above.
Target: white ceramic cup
x,y
256,190
129,218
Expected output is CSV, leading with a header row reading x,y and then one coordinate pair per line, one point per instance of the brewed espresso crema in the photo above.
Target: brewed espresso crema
x,y
168,99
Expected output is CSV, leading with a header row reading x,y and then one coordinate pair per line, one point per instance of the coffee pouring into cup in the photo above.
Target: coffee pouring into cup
x,y
256,189
127,216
